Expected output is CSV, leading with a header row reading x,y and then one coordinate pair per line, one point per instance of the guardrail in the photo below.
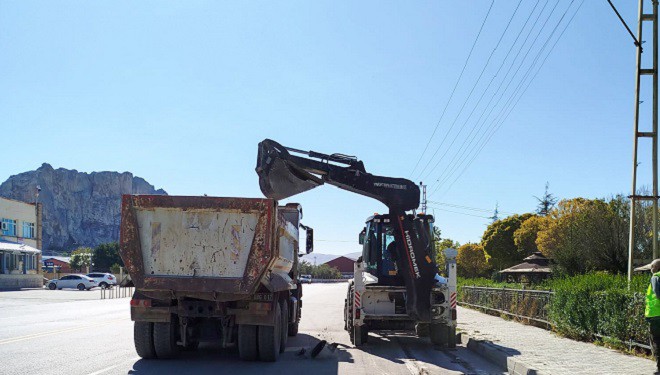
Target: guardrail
x,y
527,305
117,292
329,280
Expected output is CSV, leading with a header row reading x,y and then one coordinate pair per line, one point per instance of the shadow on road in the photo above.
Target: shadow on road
x,y
210,358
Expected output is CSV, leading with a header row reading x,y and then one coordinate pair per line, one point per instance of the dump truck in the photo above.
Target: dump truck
x,y
212,269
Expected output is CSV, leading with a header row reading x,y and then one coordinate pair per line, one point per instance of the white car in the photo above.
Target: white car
x,y
305,279
103,280
80,282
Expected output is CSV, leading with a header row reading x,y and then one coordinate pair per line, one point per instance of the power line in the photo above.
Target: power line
x,y
463,155
455,86
467,120
460,213
470,208
473,88
510,110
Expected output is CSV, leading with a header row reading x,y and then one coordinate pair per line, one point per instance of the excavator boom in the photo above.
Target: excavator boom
x,y
283,174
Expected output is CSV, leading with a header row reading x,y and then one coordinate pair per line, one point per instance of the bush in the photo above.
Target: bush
x,y
582,307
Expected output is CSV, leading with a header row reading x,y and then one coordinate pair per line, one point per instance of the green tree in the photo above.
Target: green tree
x,y
81,258
546,203
471,260
498,242
105,255
322,271
586,235
525,237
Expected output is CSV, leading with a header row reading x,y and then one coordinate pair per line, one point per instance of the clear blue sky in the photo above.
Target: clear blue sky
x,y
180,93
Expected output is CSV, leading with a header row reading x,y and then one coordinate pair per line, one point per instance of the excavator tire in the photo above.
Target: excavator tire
x,y
270,339
422,329
143,337
247,342
360,335
439,334
165,339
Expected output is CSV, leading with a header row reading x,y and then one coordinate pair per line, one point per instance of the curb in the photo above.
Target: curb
x,y
503,358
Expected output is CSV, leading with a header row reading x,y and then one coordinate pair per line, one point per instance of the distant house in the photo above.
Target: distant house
x,y
20,240
54,264
344,263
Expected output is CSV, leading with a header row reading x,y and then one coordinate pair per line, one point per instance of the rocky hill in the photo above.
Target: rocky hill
x,y
79,209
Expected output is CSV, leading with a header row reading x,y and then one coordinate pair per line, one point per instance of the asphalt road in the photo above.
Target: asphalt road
x,y
74,332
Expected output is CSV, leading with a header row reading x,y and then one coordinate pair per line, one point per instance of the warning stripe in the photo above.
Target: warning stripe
x,y
357,299
452,300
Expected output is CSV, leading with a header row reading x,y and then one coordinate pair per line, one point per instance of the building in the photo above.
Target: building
x,y
20,241
344,263
54,264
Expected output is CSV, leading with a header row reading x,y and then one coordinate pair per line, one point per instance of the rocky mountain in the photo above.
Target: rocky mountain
x,y
79,209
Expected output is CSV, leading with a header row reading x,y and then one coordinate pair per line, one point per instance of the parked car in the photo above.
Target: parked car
x,y
80,282
104,280
305,279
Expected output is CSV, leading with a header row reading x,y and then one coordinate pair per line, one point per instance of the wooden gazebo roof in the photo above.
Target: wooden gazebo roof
x,y
536,263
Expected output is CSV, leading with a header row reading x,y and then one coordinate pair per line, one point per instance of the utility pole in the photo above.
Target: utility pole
x,y
423,196
653,134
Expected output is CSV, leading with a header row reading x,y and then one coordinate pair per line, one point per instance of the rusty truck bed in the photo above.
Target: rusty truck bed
x,y
208,247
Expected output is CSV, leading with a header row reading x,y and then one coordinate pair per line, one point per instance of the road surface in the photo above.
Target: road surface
x,y
74,332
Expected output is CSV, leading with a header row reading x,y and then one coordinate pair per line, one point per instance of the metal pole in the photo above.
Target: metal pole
x,y
633,201
655,129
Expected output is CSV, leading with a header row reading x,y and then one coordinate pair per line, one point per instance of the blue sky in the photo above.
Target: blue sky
x,y
180,93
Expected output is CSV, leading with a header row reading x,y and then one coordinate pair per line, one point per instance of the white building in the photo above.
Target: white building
x,y
20,241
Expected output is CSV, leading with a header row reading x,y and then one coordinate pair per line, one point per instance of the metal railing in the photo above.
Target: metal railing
x,y
522,304
526,305
117,292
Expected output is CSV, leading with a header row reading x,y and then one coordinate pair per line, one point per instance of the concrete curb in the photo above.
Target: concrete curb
x,y
501,357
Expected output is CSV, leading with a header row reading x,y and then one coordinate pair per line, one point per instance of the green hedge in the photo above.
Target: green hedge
x,y
586,306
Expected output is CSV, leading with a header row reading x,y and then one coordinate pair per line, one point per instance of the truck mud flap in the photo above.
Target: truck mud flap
x,y
415,262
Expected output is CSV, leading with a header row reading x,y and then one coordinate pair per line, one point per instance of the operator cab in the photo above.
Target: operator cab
x,y
379,247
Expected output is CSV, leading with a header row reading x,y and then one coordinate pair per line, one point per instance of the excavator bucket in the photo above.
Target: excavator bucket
x,y
279,178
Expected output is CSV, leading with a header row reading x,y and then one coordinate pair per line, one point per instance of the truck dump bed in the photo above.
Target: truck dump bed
x,y
209,247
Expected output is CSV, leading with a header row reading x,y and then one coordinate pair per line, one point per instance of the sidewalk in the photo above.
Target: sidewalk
x,y
546,352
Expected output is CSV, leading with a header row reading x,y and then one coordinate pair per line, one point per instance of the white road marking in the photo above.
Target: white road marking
x,y
49,333
101,371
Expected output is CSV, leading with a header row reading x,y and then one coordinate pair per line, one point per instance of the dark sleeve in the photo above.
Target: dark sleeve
x,y
655,284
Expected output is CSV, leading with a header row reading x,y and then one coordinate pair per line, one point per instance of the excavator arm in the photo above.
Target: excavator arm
x,y
284,172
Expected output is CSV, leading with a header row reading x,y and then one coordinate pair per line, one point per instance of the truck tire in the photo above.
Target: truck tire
x,y
284,329
360,335
293,329
143,337
165,339
439,334
247,342
270,338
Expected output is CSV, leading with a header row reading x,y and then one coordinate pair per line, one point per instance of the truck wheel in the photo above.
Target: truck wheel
x,y
247,342
439,334
270,338
422,329
165,339
284,329
293,329
143,337
360,335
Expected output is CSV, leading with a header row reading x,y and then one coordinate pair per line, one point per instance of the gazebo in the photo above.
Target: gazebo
x,y
534,268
